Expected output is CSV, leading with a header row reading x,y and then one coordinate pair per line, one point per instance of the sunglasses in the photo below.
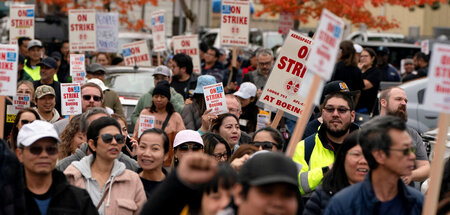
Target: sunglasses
x,y
406,151
340,110
88,98
194,148
264,145
26,121
107,138
219,156
37,150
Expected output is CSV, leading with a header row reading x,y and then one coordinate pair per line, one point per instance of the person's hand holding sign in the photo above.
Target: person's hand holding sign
x,y
207,118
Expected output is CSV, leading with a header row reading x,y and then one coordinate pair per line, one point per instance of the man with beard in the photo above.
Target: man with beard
x,y
315,154
393,102
259,77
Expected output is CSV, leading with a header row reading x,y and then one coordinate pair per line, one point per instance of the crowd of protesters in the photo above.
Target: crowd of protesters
x,y
196,162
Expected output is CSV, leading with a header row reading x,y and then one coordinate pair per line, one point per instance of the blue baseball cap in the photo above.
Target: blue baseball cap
x,y
204,80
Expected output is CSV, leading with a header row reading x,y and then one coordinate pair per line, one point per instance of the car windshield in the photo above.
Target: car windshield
x,y
130,83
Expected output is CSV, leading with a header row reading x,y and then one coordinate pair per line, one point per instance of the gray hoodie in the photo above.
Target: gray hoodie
x,y
92,186
81,153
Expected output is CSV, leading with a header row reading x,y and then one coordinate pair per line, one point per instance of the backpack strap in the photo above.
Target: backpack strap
x,y
166,121
309,146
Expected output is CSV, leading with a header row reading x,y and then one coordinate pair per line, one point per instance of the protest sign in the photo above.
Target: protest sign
x,y
11,114
234,25
262,118
326,45
189,46
215,98
8,70
437,94
285,23
282,87
425,46
20,102
158,31
22,22
136,53
82,36
145,122
107,32
77,68
70,98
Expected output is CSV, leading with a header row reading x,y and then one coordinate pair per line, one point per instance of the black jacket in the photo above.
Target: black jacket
x,y
318,202
65,198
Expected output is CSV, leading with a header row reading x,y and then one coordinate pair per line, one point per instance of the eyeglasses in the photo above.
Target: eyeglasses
x,y
264,145
88,98
26,121
219,156
185,148
356,154
37,150
340,110
264,64
107,138
405,151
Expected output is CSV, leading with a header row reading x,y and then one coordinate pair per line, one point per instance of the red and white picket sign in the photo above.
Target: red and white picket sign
x,y
215,98
77,68
22,22
285,23
82,30
189,46
70,99
159,31
235,21
136,53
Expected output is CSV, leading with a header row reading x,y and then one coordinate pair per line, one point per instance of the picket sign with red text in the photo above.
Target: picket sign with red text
x,y
82,30
136,53
77,68
70,99
158,31
22,22
145,122
189,46
234,24
215,98
326,45
425,46
285,23
8,69
437,94
21,101
282,89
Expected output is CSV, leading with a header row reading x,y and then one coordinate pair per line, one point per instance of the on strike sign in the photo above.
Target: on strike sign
x,y
82,29
189,46
77,68
8,69
145,122
21,101
437,94
215,98
136,53
22,22
282,89
326,44
234,23
70,99
158,31
285,23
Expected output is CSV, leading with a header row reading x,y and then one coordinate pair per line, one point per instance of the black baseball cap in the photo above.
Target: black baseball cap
x,y
383,50
96,68
337,87
56,55
49,62
266,167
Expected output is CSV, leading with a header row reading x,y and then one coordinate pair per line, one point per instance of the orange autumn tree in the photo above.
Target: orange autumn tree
x,y
354,10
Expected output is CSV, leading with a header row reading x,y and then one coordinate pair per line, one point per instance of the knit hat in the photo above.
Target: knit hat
x,y
162,88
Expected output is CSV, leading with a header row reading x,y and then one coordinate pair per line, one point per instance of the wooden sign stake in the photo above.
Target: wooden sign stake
x,y
277,119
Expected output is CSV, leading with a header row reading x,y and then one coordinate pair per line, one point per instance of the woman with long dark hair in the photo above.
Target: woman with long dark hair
x,y
346,68
71,138
349,167
25,116
227,126
371,77
217,147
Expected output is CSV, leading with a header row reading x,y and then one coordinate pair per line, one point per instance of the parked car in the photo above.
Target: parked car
x,y
365,36
130,83
419,117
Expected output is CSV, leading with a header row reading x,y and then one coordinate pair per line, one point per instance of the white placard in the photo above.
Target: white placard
x,y
158,31
215,98
82,36
136,53
282,89
145,122
22,22
20,102
285,23
70,99
77,68
326,45
107,32
425,46
189,46
437,94
234,24
262,120
8,69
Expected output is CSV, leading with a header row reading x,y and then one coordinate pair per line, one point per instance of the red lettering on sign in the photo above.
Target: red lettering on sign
x,y
302,52
298,70
235,9
82,17
185,43
22,13
445,60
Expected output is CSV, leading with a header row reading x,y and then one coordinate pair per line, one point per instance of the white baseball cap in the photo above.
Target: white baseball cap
x,y
246,90
98,82
358,48
187,136
35,131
